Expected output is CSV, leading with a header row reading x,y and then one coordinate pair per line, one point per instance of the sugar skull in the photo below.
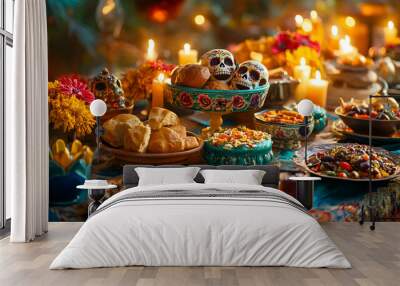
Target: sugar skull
x,y
107,86
250,75
221,64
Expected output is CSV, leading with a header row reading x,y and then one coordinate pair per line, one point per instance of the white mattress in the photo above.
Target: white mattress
x,y
194,231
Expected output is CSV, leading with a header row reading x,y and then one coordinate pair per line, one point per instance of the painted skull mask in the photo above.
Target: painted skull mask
x,y
221,64
250,75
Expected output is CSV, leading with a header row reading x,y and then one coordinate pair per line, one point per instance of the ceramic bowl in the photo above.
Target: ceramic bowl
x,y
216,100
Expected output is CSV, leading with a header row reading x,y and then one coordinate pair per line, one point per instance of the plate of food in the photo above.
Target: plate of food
x,y
385,115
286,127
161,139
348,161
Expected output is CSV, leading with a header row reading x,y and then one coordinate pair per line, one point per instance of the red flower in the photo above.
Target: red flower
x,y
204,101
238,102
291,41
74,85
186,99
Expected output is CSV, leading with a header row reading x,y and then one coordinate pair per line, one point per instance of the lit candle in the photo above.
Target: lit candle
x,y
298,20
390,33
345,47
334,39
314,16
317,90
307,26
151,54
187,55
302,71
158,91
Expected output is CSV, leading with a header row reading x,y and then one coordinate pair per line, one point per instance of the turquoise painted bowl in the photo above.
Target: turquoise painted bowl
x,y
261,154
210,100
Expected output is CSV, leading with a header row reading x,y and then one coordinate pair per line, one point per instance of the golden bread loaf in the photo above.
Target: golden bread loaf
x,y
217,84
136,139
191,75
165,140
115,128
160,117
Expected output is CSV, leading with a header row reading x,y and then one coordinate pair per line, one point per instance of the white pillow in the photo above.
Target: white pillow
x,y
166,176
248,177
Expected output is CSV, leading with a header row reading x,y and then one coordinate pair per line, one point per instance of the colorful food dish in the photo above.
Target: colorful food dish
x,y
281,116
286,127
352,161
238,146
385,116
382,109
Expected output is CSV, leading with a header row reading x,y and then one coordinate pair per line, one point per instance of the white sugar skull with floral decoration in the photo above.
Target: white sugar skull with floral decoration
x,y
250,75
221,64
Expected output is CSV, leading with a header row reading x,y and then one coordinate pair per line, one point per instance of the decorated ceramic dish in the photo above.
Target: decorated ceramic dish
x,y
210,100
286,135
350,161
238,146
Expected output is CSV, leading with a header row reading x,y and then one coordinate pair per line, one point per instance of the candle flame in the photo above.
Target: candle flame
x,y
302,61
318,75
299,20
160,77
314,15
307,26
334,30
350,21
108,7
199,19
186,48
151,45
390,25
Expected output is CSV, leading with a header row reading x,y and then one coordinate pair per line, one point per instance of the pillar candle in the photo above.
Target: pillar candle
x,y
151,54
390,33
302,71
187,55
317,90
158,91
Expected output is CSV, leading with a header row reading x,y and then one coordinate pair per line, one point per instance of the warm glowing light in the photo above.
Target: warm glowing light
x,y
186,48
159,15
160,77
199,19
151,54
302,61
307,26
334,31
318,75
108,7
390,25
299,20
350,21
314,15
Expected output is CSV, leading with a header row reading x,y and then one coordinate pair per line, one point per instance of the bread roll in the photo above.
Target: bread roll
x,y
136,139
114,128
165,140
191,75
191,142
180,129
160,117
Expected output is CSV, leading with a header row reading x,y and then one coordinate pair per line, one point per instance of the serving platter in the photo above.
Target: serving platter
x,y
154,158
326,147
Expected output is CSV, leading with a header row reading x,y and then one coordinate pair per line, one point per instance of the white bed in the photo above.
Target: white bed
x,y
267,229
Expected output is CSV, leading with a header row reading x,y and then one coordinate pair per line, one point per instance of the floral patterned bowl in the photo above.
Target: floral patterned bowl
x,y
284,136
211,100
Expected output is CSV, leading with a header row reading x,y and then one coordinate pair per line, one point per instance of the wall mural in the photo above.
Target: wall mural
x,y
215,82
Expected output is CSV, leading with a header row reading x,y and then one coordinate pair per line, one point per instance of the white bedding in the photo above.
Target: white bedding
x,y
200,231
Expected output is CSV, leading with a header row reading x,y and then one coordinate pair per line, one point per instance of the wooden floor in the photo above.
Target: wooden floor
x,y
375,257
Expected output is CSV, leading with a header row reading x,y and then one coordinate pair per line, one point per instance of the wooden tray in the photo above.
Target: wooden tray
x,y
154,158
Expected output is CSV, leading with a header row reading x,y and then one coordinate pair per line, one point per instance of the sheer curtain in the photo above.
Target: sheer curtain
x,y
27,124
